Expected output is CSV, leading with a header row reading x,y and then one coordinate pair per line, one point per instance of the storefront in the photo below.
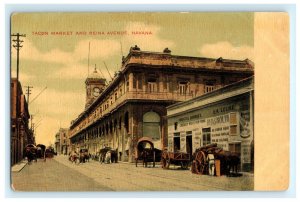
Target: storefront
x,y
224,116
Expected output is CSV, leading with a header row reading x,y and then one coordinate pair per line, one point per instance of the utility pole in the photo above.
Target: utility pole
x,y
28,92
31,119
102,74
108,71
17,45
89,59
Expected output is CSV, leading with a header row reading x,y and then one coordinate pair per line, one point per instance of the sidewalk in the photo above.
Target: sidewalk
x,y
19,166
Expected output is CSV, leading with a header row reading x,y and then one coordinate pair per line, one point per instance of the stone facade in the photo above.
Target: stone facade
x,y
21,134
134,103
224,116
62,141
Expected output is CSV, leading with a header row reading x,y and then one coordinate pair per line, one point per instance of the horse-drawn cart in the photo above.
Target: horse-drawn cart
x,y
176,158
30,152
146,152
228,160
108,155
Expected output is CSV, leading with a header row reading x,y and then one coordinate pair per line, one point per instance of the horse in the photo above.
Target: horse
x,y
229,162
146,155
73,157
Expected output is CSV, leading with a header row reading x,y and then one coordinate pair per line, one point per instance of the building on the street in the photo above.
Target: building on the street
x,y
134,103
223,116
21,134
62,141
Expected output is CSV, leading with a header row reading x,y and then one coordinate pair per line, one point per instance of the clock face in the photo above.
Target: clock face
x,y
96,91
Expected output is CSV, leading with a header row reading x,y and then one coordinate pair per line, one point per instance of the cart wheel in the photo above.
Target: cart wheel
x,y
200,162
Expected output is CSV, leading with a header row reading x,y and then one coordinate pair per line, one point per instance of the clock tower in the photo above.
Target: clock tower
x,y
94,85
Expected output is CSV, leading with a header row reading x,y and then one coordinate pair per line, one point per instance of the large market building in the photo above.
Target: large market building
x,y
133,104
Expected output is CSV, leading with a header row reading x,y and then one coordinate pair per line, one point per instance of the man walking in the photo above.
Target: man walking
x,y
211,164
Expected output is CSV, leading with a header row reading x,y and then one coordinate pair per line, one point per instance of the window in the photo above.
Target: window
x,y
140,82
235,147
233,123
206,136
127,85
209,87
151,125
134,81
233,130
152,87
175,125
116,96
176,143
233,118
111,100
165,83
182,88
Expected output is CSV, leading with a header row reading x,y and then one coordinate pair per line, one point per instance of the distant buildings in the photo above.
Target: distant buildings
x,y
21,134
134,104
62,141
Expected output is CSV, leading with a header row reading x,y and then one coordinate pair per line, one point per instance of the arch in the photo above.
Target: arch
x,y
120,122
126,121
111,126
151,125
115,124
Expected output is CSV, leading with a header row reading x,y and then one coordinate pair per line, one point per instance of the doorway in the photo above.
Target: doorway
x,y
189,144
176,144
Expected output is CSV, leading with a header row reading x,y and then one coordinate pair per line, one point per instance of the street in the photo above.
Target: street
x,y
59,174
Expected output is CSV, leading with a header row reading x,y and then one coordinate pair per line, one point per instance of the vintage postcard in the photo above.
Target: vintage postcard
x,y
149,101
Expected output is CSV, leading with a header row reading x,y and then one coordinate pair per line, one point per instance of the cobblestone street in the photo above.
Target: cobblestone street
x,y
59,174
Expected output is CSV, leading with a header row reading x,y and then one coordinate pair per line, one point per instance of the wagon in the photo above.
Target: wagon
x,y
113,155
30,152
84,155
176,158
41,151
228,160
146,152
49,153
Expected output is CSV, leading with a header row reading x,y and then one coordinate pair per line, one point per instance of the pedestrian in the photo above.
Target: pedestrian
x,y
211,164
108,157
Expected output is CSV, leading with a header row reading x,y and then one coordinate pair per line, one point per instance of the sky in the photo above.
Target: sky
x,y
59,63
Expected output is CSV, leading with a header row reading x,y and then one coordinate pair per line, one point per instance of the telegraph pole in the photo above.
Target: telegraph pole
x,y
28,92
17,45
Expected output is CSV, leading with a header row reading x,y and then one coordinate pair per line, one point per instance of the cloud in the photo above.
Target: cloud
x,y
226,50
57,102
98,49
23,77
30,52
151,42
55,109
